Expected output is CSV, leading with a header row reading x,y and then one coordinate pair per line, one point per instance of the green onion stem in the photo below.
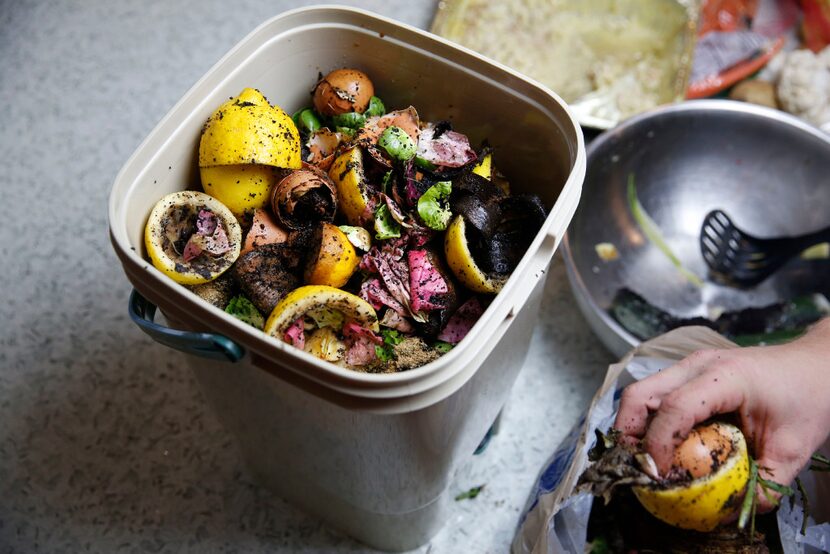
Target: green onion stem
x,y
805,505
652,232
748,504
823,461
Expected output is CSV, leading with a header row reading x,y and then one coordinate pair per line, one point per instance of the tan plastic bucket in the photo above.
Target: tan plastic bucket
x,y
371,454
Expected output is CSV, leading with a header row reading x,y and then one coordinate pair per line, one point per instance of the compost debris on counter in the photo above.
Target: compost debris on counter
x,y
371,239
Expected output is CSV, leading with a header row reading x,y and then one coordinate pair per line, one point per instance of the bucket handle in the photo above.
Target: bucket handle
x,y
206,345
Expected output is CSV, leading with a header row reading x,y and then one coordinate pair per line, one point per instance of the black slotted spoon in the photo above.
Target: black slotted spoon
x,y
737,257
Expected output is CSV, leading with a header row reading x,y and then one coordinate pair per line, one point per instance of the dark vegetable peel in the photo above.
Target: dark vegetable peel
x,y
770,324
521,217
482,216
498,247
268,273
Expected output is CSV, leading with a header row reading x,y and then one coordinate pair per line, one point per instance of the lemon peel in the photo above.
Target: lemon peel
x,y
461,262
336,260
703,503
347,173
241,188
484,167
164,256
312,299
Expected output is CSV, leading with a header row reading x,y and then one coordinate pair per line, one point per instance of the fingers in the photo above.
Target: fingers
x,y
643,397
711,392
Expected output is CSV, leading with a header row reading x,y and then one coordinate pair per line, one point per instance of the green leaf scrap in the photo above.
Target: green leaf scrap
x,y
750,503
306,121
397,143
470,494
433,206
391,338
242,309
819,462
384,353
375,107
442,347
385,225
386,183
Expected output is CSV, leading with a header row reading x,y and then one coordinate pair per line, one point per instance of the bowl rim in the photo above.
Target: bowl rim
x,y
578,287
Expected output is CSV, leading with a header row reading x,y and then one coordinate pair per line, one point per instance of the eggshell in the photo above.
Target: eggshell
x,y
704,450
342,91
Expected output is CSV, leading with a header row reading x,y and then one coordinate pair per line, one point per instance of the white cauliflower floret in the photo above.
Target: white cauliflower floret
x,y
804,85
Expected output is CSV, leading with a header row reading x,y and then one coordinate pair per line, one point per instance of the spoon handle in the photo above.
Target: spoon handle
x,y
811,239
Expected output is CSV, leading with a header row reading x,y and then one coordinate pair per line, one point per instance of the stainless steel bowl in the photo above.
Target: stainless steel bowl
x,y
768,170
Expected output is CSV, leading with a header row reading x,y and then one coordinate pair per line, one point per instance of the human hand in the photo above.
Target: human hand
x,y
781,395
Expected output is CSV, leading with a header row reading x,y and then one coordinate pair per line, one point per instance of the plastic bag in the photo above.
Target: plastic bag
x,y
555,520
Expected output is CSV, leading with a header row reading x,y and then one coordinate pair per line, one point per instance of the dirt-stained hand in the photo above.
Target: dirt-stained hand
x,y
781,395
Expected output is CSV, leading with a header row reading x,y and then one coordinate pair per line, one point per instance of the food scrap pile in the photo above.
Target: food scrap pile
x,y
372,240
786,40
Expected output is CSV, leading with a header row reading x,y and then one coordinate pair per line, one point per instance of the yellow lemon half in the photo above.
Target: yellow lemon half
x,y
241,187
321,303
461,261
336,260
248,130
169,222
347,173
703,503
241,142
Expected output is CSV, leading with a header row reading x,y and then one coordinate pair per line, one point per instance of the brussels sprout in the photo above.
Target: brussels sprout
x,y
397,143
350,120
306,121
433,206
424,163
376,107
348,132
358,236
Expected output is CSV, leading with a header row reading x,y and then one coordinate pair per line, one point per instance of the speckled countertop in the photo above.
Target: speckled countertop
x,y
106,444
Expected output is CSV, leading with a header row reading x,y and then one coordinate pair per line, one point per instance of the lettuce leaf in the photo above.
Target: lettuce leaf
x,y
242,309
433,206
385,225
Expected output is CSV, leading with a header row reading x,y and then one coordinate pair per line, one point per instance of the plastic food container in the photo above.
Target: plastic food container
x,y
372,454
610,59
